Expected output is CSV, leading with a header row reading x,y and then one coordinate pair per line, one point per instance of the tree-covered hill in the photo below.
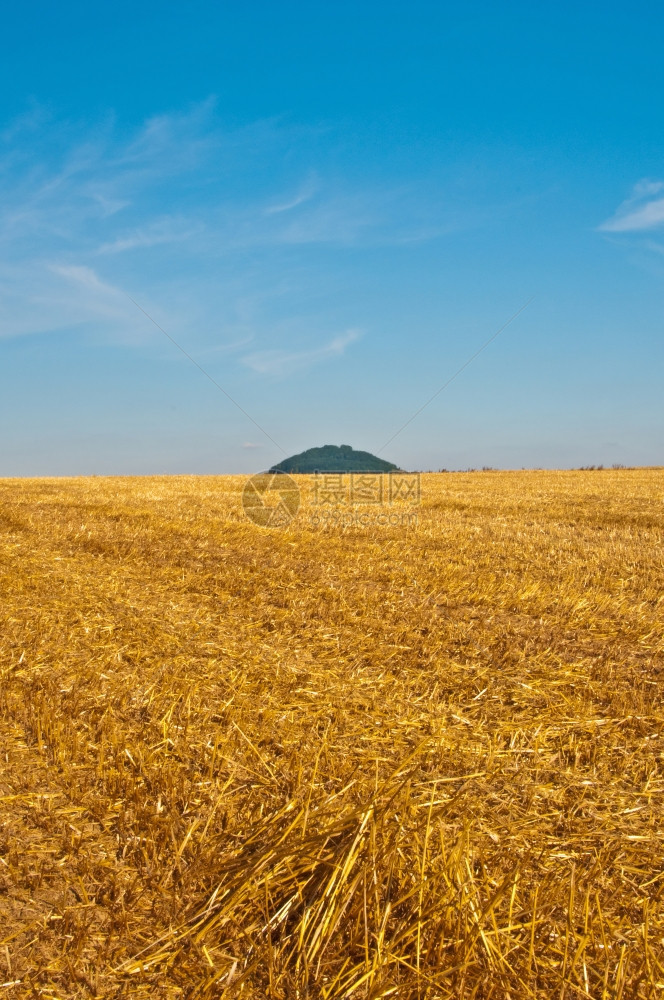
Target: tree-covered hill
x,y
333,458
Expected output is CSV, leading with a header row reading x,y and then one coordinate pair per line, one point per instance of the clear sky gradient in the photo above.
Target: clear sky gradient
x,y
330,207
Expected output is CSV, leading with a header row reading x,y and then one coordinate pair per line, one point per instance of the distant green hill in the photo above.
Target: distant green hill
x,y
331,458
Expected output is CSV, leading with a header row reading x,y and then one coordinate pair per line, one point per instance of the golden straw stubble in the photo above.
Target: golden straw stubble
x,y
328,759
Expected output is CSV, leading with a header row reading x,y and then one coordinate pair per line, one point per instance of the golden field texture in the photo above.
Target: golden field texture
x,y
418,761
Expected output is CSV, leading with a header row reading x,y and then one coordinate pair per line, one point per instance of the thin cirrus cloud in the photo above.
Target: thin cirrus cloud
x,y
109,307
87,278
643,210
155,235
282,362
87,299
305,194
165,213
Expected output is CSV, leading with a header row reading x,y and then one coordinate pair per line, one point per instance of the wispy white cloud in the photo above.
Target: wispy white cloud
x,y
108,206
74,203
87,300
643,210
166,213
251,446
86,278
339,219
156,234
305,193
283,362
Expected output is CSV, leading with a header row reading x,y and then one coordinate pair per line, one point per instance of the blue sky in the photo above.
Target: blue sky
x,y
330,207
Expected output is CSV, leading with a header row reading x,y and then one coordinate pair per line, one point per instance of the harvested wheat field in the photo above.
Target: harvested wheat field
x,y
418,760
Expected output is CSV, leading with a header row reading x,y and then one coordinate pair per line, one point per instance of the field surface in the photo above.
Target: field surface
x,y
418,758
